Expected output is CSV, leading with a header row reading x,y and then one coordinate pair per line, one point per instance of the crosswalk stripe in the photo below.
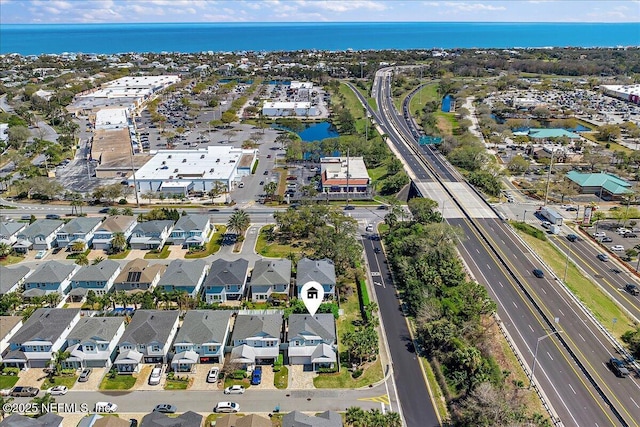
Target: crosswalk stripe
x,y
380,399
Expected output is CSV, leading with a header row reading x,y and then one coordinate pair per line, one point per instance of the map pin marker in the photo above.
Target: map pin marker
x,y
311,295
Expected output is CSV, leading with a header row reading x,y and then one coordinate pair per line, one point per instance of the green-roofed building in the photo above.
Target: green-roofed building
x,y
605,185
537,133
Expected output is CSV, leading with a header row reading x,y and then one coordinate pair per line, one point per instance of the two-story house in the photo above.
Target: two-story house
x,y
270,276
226,280
325,419
42,335
200,339
97,277
138,275
12,278
184,276
312,340
114,224
49,277
150,234
322,271
92,342
256,339
9,231
41,235
191,231
78,229
147,339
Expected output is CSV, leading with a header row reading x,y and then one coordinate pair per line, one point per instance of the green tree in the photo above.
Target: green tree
x,y
82,259
5,250
78,246
118,242
17,136
59,358
238,222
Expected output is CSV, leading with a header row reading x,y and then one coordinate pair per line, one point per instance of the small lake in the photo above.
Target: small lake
x,y
315,131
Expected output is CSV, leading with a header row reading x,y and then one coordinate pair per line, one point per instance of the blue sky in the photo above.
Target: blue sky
x,y
125,11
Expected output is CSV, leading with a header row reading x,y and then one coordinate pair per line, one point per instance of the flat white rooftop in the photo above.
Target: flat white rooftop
x,y
281,105
111,117
212,163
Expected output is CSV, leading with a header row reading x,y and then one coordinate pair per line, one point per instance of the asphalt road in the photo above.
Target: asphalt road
x,y
525,304
409,377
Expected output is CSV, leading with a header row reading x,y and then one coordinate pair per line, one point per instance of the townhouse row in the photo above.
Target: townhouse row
x,y
43,234
159,336
217,282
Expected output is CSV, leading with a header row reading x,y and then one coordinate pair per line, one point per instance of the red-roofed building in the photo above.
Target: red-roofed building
x,y
340,172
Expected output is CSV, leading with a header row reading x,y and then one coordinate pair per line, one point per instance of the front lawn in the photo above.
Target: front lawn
x,y
163,254
176,385
11,259
229,381
120,382
212,247
65,380
281,378
273,249
343,379
8,381
120,255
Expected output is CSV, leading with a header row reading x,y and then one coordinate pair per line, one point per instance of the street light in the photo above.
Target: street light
x,y
535,355
566,266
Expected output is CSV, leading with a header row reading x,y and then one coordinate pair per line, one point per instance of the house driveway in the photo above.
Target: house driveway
x,y
299,379
177,252
199,376
94,380
142,378
267,379
33,377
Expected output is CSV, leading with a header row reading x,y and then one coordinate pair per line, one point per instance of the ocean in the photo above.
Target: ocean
x,y
225,37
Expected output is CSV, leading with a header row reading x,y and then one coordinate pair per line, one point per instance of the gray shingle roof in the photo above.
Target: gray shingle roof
x,y
249,325
325,419
322,271
102,328
99,272
41,227
204,326
158,419
10,276
8,229
45,324
49,419
181,272
51,272
151,227
223,272
192,222
7,323
81,225
271,272
322,325
150,325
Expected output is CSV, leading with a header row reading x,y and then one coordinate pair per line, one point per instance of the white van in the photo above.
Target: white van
x,y
154,378
105,407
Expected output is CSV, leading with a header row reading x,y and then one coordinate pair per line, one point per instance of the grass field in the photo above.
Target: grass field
x,y
120,382
10,259
273,249
281,379
163,254
176,385
8,381
121,255
64,380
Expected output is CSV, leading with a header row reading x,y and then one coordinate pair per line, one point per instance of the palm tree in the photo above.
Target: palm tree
x,y
5,250
239,221
58,359
12,300
82,259
118,242
52,299
43,401
355,416
97,260
127,212
113,211
392,419
78,246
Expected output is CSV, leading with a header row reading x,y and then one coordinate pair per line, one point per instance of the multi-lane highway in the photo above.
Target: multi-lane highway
x,y
571,368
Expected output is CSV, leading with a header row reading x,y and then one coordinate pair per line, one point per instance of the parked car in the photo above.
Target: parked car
x,y
629,235
226,407
212,376
58,390
105,407
165,408
607,240
156,375
600,234
572,209
41,254
618,367
256,377
52,216
24,392
632,289
234,389
603,257
538,273
572,237
84,375
617,248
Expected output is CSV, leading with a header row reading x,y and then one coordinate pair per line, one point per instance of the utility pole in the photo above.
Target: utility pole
x,y
133,172
546,193
347,178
